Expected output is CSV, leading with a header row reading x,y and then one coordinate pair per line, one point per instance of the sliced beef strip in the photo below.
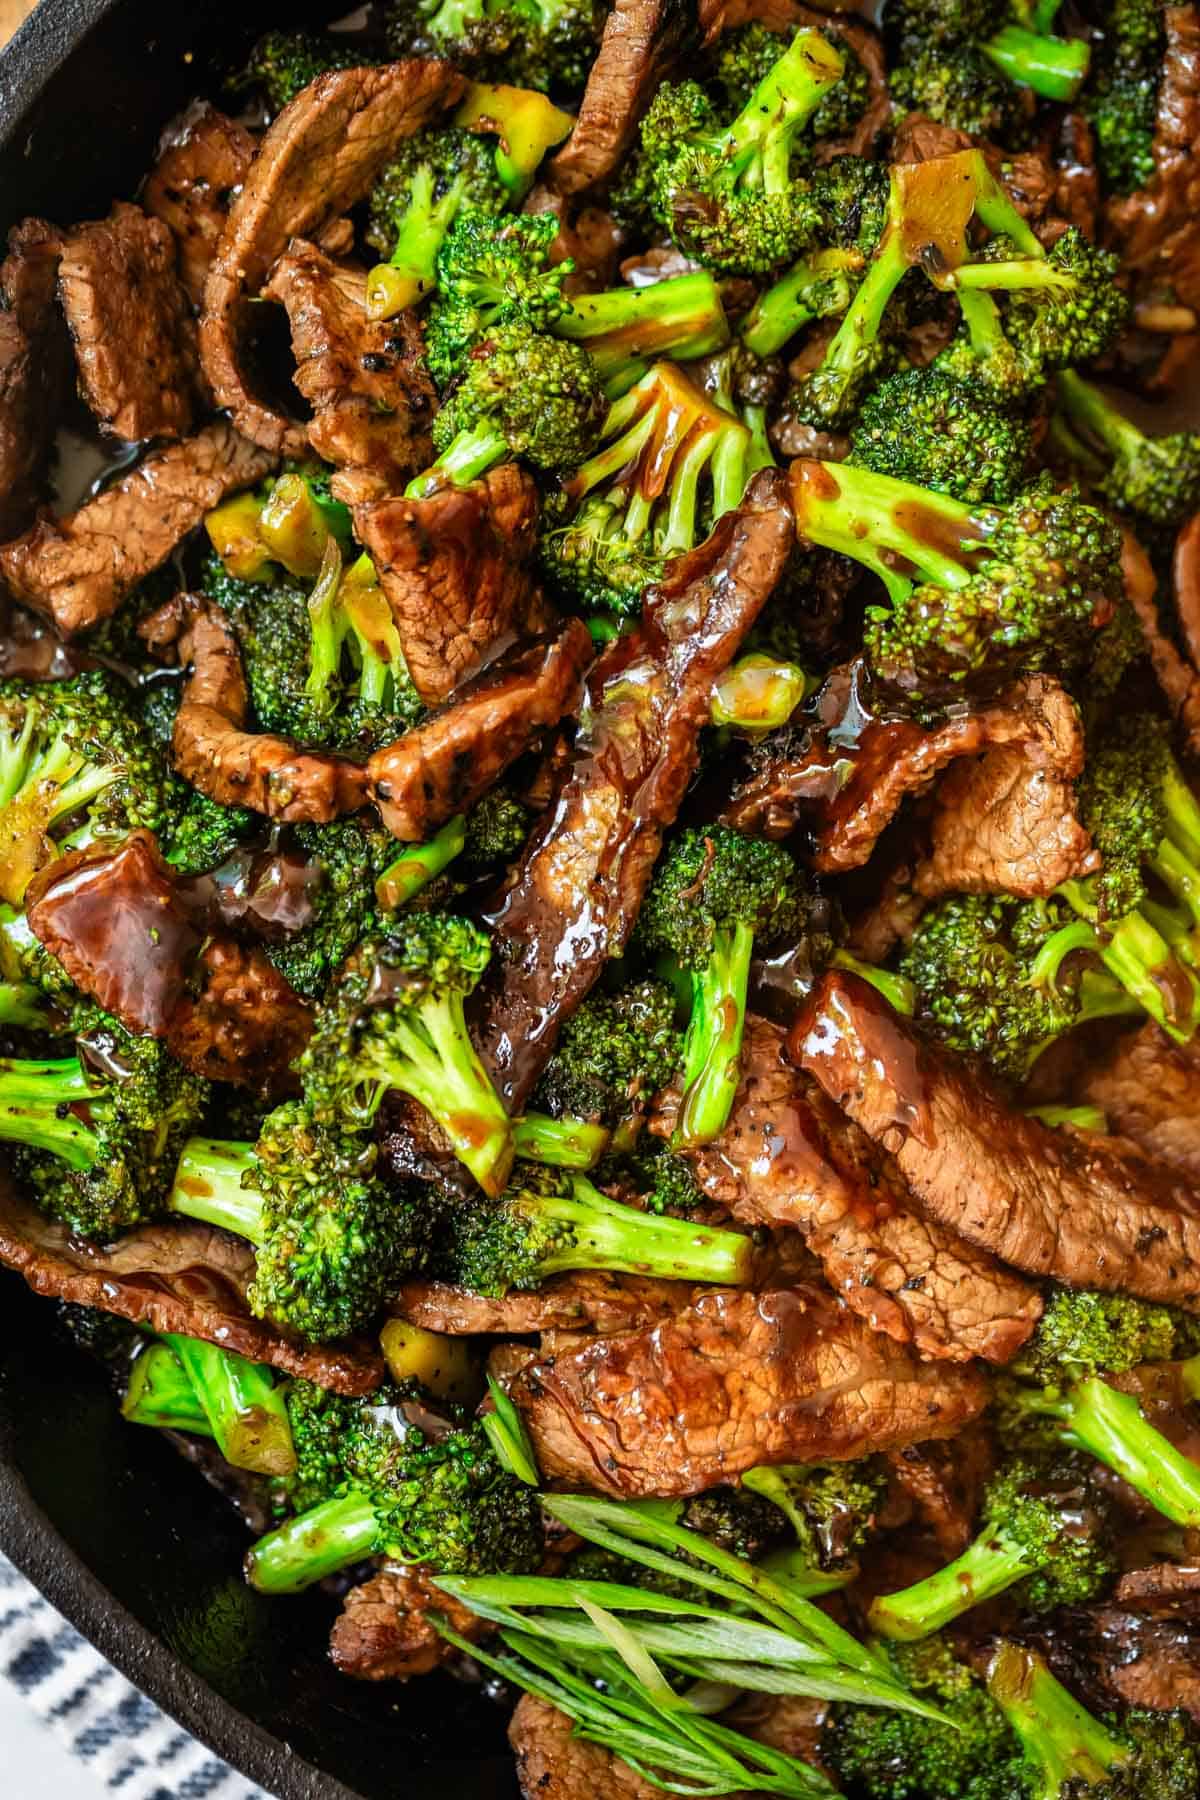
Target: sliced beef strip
x,y
34,368
212,748
78,570
180,1276
319,158
589,1299
944,1483
1185,570
735,1379
847,780
1006,823
121,926
1112,1656
554,1764
443,765
788,1157
1178,677
642,42
1149,1090
131,324
1157,230
203,159
383,1631
455,569
365,380
575,894
1083,1209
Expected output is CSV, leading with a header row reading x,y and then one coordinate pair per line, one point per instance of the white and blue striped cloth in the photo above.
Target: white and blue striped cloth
x,y
130,1748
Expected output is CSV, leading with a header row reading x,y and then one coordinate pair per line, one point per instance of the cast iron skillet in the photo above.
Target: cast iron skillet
x,y
109,1523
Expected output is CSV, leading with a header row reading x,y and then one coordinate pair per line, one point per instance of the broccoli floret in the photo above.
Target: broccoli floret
x,y
981,988
547,1223
987,593
742,1523
435,1497
986,36
898,1756
1069,1755
1121,97
524,394
716,894
1047,1530
323,662
485,160
1157,479
206,833
75,765
725,192
492,275
545,44
346,857
613,1055
1054,1395
331,1240
1062,308
393,1020
100,1132
746,55
661,1181
671,462
282,63
492,833
926,427
831,1506
495,830
318,1421
961,88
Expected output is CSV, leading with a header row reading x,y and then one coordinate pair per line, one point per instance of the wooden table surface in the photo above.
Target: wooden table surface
x,y
11,14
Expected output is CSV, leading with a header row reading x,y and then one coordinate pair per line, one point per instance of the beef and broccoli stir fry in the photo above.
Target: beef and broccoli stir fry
x,y
600,868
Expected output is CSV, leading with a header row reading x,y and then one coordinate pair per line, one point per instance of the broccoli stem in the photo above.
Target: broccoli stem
x,y
1143,962
863,515
473,452
818,288
160,1394
1086,406
860,328
1053,67
411,271
1109,1425
1178,873
626,329
1061,1740
244,1408
327,626
986,1568
37,1101
433,1059
1080,1118
560,1143
603,1234
779,108
208,1187
313,1545
22,1005
897,990
418,864
712,1049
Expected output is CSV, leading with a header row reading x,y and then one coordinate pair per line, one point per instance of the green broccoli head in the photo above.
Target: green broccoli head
x,y
726,192
899,1756
283,63
1122,804
1120,98
346,856
1157,479
76,765
540,396
441,1500
491,273
832,1507
1058,326
318,1419
746,55
496,829
1082,1332
927,427
205,833
100,1134
616,1051
1053,1515
961,88
435,174
549,45
713,880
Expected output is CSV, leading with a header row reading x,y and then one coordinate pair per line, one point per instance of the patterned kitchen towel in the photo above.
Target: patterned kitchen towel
x,y
129,1745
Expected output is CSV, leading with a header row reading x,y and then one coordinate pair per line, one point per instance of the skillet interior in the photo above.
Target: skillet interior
x,y
120,1535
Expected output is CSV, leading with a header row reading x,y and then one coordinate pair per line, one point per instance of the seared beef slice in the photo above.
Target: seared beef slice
x,y
131,324
1082,1209
34,362
735,1379
202,163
